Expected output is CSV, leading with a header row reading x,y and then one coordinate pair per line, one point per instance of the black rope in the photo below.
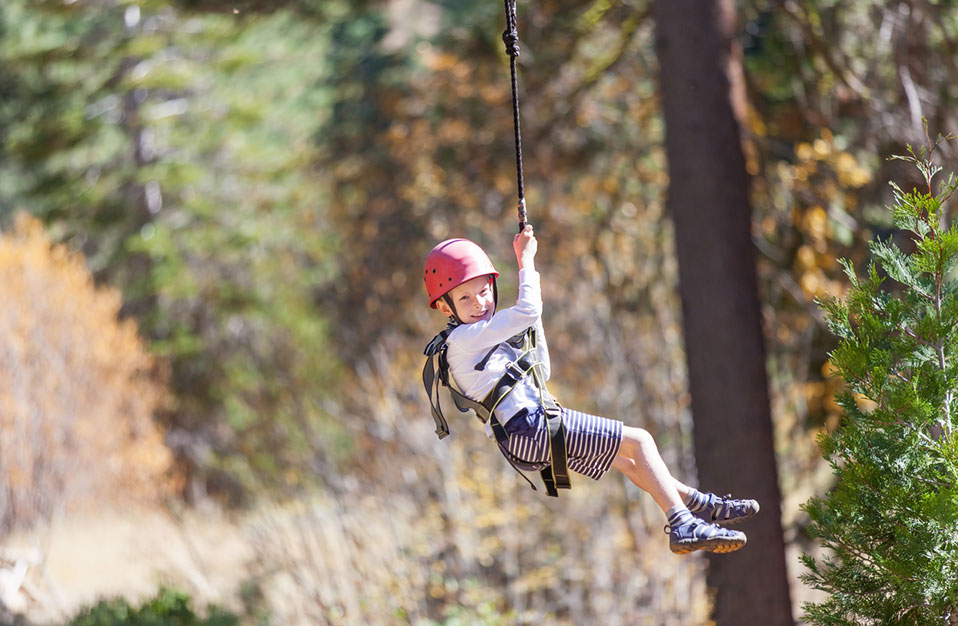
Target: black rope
x,y
510,37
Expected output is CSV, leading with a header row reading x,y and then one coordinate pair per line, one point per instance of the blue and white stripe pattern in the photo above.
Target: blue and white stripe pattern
x,y
591,441
720,510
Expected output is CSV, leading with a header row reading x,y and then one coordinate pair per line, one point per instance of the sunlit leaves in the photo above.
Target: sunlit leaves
x,y
77,388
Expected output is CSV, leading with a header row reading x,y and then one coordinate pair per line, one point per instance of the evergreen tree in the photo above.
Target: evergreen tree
x,y
890,524
175,150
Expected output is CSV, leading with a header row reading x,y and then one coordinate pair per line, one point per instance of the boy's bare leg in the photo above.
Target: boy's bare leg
x,y
640,461
683,489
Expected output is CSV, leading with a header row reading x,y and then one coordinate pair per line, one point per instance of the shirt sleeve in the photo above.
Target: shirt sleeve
x,y
543,349
507,322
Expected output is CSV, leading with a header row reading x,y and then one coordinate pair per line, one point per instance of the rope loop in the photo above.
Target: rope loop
x,y
510,36
511,39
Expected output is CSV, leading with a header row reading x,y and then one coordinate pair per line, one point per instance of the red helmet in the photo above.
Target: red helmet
x,y
451,263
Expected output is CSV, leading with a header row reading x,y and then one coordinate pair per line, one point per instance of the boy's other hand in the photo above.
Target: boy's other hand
x,y
525,245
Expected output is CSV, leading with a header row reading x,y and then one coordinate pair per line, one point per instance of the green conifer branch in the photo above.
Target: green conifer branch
x,y
890,524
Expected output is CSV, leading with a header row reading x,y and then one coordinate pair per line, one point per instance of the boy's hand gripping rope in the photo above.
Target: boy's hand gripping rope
x,y
510,37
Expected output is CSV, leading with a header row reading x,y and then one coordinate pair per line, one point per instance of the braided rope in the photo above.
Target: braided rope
x,y
511,38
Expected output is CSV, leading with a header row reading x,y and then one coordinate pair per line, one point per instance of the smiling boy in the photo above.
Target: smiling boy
x,y
500,361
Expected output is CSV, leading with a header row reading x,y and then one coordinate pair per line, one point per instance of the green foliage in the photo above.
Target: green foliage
x,y
168,608
888,525
176,151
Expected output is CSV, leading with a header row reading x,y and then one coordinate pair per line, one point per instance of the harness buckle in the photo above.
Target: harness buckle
x,y
515,370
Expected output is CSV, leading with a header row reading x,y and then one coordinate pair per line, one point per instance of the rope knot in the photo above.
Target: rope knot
x,y
511,39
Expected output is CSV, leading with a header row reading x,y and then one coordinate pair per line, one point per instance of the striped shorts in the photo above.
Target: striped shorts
x,y
591,441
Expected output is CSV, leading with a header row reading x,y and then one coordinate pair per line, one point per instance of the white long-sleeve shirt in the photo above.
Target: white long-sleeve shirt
x,y
469,343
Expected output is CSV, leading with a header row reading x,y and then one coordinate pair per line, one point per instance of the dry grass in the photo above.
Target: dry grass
x,y
373,560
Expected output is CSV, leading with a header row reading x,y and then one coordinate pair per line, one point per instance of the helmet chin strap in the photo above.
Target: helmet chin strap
x,y
455,314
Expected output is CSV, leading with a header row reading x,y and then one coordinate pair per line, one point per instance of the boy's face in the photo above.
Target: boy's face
x,y
475,300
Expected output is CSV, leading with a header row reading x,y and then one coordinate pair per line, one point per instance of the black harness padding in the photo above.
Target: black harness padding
x,y
436,373
556,476
436,350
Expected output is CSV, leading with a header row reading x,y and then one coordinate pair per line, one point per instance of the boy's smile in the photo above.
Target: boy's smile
x,y
474,300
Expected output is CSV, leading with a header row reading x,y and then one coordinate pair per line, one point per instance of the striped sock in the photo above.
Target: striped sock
x,y
678,516
698,501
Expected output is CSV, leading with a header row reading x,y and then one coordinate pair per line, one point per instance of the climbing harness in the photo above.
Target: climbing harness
x,y
510,37
435,377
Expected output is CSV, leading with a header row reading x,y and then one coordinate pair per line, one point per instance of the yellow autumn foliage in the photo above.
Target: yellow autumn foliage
x,y
77,388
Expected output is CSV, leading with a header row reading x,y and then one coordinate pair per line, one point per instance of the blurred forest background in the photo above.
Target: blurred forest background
x,y
213,216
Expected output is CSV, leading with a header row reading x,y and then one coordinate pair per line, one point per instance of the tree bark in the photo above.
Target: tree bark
x,y
703,101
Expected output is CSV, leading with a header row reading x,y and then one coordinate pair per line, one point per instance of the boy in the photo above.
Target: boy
x,y
482,349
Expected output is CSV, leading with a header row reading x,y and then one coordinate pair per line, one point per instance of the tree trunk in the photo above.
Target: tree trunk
x,y
703,100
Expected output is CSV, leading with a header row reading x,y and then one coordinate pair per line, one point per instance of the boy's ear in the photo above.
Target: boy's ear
x,y
443,307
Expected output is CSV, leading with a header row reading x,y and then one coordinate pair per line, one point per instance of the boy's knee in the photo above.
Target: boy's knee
x,y
635,441
638,436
